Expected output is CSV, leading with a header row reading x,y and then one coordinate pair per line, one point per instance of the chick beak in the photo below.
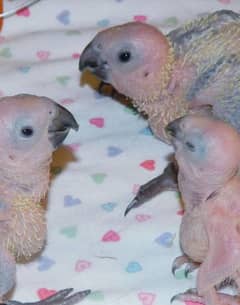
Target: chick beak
x,y
91,59
60,126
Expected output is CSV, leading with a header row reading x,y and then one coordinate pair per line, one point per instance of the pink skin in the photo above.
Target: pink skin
x,y
24,178
152,81
15,156
142,78
169,74
210,188
24,173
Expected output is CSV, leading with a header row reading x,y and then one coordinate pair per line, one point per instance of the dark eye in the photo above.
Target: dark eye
x,y
27,131
190,146
124,56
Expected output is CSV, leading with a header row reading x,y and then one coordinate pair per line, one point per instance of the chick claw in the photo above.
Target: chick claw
x,y
189,295
181,260
167,181
60,298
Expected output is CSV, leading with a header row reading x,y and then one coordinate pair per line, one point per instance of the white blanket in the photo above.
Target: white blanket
x,y
124,260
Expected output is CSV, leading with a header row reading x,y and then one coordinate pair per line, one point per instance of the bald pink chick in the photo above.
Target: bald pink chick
x,y
32,128
207,151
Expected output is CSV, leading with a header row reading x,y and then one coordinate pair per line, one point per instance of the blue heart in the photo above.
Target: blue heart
x,y
133,267
103,23
24,69
109,206
69,201
45,263
64,17
166,239
146,131
113,151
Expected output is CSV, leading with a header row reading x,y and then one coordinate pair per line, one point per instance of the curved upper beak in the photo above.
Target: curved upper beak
x,y
173,129
91,59
60,126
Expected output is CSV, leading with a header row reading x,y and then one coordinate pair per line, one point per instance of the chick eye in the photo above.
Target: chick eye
x,y
124,56
190,146
27,131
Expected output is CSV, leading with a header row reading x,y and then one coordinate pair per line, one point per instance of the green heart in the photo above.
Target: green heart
x,y
179,275
63,80
171,22
96,296
69,232
6,52
99,177
73,32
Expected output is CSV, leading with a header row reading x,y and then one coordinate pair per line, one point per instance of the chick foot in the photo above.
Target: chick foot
x,y
167,181
189,295
181,260
62,297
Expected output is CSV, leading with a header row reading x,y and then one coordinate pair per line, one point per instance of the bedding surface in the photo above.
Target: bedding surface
x,y
124,260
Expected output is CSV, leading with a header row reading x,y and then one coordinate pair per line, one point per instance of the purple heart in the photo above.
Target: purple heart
x,y
166,239
45,263
64,17
69,201
113,151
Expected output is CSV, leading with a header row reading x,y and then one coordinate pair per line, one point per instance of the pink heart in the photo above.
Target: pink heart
x,y
82,265
148,165
2,39
111,236
98,122
25,12
74,146
44,293
143,217
147,298
225,1
135,188
76,55
192,303
43,55
140,18
67,101
180,212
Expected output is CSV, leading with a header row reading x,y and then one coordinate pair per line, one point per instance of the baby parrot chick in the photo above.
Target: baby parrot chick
x,y
207,152
166,76
32,128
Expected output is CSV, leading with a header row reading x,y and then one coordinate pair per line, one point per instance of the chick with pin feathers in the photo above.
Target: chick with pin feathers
x,y
207,151
32,128
167,76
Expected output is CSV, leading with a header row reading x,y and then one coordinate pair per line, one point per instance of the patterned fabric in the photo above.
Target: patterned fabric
x,y
124,260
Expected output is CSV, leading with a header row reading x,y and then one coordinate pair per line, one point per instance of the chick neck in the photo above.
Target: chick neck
x,y
30,181
157,102
156,83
